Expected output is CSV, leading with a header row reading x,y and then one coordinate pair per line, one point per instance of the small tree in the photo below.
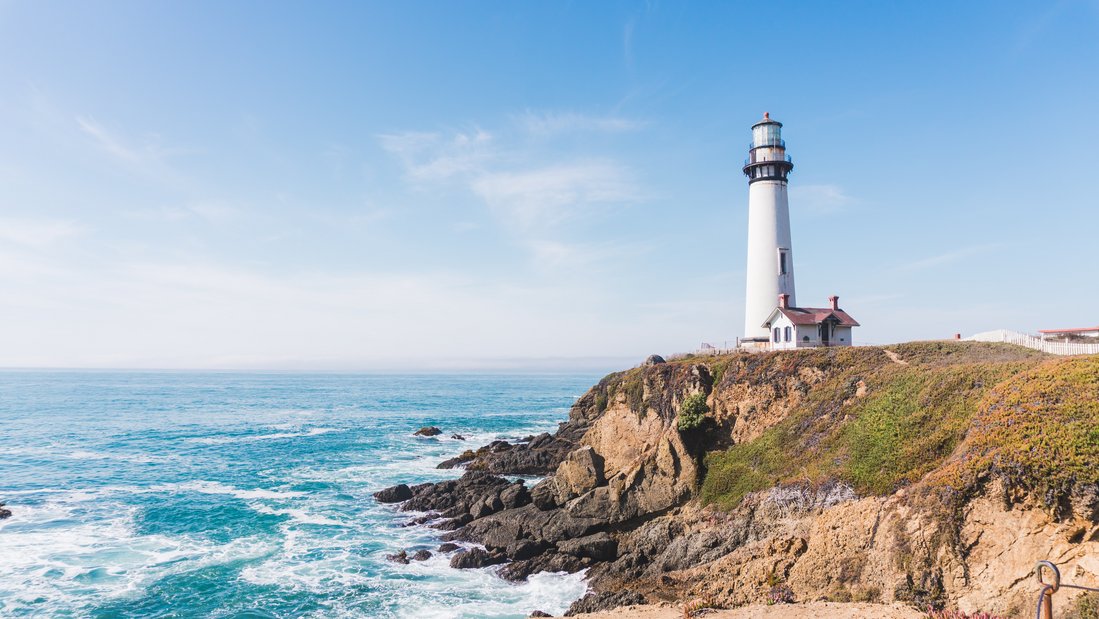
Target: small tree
x,y
692,412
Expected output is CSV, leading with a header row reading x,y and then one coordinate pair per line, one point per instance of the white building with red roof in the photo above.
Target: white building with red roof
x,y
1069,334
808,327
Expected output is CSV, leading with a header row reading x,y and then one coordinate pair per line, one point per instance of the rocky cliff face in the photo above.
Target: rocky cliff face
x,y
859,474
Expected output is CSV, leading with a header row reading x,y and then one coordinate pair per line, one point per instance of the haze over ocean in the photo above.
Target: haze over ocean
x,y
227,495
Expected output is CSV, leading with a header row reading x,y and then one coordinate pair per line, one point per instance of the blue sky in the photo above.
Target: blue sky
x,y
444,185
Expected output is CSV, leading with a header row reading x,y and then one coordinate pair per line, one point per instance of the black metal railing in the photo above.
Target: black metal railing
x,y
753,159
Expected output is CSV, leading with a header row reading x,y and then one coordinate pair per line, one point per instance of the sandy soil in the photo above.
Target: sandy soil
x,y
814,610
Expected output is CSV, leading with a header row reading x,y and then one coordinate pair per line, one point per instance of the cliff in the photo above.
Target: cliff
x,y
933,474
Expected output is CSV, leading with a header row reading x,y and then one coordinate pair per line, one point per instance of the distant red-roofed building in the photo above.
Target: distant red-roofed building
x,y
807,327
1070,334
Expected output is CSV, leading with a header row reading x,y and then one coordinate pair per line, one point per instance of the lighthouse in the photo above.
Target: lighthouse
x,y
770,252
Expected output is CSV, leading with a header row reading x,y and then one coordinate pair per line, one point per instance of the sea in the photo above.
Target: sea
x,y
186,494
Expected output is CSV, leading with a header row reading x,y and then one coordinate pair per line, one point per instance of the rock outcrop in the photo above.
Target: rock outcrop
x,y
625,492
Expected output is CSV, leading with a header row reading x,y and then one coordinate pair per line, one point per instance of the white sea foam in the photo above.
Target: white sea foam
x,y
251,438
52,552
216,487
298,515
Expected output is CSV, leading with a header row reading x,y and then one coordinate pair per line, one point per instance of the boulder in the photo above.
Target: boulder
x,y
539,613
4,513
596,602
476,557
581,472
653,360
400,557
517,571
393,494
448,547
457,437
466,456
599,547
515,495
427,431
544,494
421,555
523,549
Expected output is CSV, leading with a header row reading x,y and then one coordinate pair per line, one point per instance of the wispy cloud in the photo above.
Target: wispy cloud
x,y
551,195
543,124
430,156
530,190
822,199
38,232
945,258
146,157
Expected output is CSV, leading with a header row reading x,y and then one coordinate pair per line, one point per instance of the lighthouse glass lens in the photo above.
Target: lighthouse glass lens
x,y
766,135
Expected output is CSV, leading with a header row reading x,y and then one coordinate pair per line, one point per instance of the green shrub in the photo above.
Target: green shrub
x,y
692,412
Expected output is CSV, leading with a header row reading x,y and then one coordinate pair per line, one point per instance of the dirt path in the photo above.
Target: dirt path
x,y
895,357
814,610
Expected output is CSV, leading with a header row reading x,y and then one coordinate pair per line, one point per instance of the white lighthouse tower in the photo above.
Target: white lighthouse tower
x,y
770,252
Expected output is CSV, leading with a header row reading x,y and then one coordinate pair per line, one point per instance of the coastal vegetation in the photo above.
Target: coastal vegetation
x,y
692,412
953,412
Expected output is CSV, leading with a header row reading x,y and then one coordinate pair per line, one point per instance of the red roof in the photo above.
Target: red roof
x,y
1076,330
817,315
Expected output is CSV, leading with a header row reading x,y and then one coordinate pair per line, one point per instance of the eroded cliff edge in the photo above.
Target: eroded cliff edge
x,y
929,473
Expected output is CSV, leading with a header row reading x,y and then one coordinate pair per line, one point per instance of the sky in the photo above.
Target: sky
x,y
528,185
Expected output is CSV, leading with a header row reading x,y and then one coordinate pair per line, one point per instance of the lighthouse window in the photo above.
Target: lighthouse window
x,y
776,334
782,262
787,334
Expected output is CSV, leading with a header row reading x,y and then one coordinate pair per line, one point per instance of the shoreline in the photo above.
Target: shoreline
x,y
811,610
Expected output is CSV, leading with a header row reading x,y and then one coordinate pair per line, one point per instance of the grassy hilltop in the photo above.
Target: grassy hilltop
x,y
941,415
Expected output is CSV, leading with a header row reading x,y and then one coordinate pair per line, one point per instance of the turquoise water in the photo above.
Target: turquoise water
x,y
248,495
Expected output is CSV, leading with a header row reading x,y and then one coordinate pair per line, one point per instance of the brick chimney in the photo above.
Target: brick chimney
x,y
834,301
784,301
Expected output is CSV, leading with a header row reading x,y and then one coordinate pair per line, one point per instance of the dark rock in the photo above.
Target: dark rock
x,y
653,360
499,531
400,557
427,431
466,456
517,571
453,524
457,437
448,547
539,613
515,495
457,495
4,513
523,549
539,456
394,494
599,547
605,600
422,520
476,557
421,555
539,441
544,494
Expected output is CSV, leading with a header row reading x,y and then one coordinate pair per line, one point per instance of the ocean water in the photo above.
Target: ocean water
x,y
179,494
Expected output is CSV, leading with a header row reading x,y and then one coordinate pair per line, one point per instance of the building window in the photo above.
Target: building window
x,y
805,338
787,334
776,335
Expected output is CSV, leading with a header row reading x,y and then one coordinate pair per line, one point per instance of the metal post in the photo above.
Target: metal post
x,y
1045,598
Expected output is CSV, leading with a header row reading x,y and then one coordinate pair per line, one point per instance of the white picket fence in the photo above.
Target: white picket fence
x,y
1022,339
